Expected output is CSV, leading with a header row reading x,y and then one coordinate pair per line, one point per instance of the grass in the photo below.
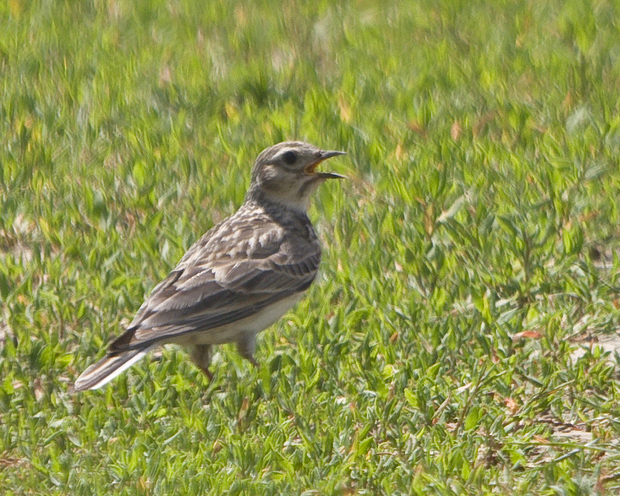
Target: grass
x,y
473,250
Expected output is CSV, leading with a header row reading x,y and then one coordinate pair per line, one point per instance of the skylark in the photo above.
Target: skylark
x,y
240,277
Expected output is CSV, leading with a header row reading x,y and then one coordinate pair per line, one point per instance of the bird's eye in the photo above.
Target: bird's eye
x,y
289,158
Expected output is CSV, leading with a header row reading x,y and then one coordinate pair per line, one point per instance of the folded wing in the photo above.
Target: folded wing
x,y
205,292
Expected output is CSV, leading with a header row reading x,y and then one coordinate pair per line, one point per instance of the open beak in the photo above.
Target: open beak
x,y
325,175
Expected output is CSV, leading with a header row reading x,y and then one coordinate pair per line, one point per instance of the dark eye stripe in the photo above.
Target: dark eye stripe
x,y
289,158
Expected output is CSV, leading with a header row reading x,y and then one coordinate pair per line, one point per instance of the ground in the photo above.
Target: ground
x,y
462,336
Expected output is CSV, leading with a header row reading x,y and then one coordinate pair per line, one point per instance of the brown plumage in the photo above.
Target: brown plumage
x,y
240,277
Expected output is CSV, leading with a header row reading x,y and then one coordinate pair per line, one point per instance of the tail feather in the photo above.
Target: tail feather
x,y
108,368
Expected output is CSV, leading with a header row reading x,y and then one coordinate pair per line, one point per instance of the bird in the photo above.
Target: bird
x,y
239,278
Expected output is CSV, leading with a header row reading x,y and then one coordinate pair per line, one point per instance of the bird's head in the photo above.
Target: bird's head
x,y
286,173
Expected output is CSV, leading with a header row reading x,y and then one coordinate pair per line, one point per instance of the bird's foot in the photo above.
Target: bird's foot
x,y
207,372
253,361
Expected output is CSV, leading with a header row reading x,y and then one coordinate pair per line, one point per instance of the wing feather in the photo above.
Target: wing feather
x,y
213,286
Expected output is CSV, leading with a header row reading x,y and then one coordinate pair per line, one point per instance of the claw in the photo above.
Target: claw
x,y
253,361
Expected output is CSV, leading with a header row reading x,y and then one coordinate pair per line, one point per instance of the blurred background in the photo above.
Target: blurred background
x,y
462,337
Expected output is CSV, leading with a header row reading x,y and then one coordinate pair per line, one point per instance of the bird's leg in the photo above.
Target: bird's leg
x,y
246,346
207,372
201,356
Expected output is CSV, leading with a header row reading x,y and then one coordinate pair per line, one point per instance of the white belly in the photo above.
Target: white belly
x,y
231,332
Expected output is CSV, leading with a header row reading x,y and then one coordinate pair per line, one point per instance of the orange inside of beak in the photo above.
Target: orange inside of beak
x,y
311,169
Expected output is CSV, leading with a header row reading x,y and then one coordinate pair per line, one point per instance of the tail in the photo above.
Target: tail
x,y
106,369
